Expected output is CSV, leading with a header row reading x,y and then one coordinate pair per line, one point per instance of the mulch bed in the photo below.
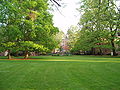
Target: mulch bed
x,y
19,59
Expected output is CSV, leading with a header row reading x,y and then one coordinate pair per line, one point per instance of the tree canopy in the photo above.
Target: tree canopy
x,y
27,23
99,24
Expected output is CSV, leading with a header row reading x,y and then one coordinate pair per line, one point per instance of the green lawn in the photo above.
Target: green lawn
x,y
68,73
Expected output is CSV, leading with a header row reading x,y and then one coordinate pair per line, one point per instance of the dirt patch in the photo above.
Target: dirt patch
x,y
20,59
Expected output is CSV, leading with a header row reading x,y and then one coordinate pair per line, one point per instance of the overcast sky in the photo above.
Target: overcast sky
x,y
68,16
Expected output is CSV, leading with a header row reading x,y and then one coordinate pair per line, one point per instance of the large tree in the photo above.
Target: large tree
x,y
28,22
100,18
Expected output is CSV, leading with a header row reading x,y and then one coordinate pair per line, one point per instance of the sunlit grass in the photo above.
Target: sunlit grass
x,y
60,73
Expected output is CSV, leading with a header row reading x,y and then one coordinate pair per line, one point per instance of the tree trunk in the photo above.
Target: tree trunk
x,y
9,56
93,51
113,48
26,54
100,51
112,40
16,54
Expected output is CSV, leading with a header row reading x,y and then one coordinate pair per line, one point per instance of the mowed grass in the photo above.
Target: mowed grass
x,y
61,73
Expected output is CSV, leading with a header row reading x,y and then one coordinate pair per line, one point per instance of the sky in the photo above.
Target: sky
x,y
67,15
118,3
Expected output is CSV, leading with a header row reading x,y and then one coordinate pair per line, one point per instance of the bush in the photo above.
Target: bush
x,y
55,55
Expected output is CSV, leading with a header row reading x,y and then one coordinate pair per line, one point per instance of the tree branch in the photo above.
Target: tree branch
x,y
56,2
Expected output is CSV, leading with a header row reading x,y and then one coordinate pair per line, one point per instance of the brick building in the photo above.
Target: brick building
x,y
64,45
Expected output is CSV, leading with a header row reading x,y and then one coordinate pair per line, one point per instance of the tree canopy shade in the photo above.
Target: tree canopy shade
x,y
27,23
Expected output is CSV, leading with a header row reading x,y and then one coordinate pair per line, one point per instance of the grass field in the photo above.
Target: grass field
x,y
61,73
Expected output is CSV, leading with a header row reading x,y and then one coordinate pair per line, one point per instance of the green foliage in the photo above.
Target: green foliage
x,y
7,46
72,35
99,25
28,24
31,46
